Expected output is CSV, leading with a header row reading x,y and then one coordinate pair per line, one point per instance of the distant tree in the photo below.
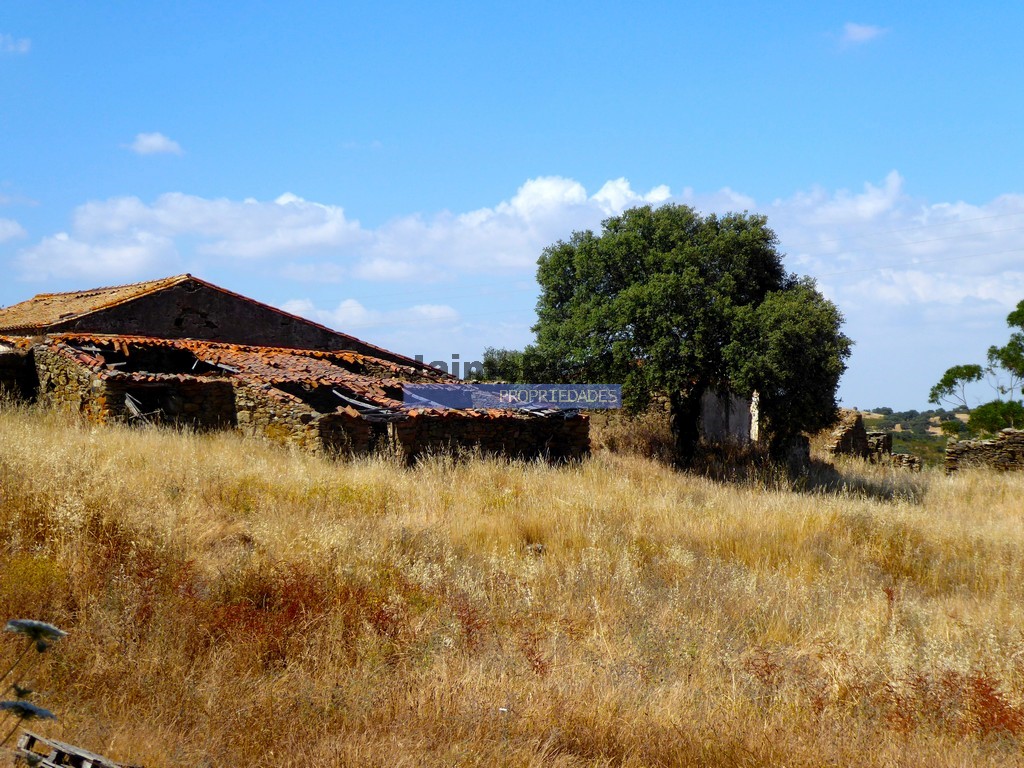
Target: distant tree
x,y
952,387
668,300
953,428
996,415
1016,318
1009,358
503,364
514,365
1005,371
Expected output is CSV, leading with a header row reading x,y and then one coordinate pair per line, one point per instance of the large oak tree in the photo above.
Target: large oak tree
x,y
667,300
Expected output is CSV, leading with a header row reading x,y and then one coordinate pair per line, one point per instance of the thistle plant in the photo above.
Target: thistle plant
x,y
40,636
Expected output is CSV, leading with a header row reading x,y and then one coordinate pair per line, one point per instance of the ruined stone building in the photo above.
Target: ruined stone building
x,y
1003,452
850,438
728,417
183,351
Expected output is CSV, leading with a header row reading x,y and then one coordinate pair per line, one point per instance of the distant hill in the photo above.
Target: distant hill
x,y
917,432
916,422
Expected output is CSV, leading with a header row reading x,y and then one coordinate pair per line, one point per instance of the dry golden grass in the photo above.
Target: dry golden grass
x,y
230,603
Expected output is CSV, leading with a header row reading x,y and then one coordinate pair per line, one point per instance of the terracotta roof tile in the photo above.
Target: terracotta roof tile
x,y
274,370
45,309
359,376
40,313
20,343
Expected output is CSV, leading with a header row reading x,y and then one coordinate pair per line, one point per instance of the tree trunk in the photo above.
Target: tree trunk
x,y
684,418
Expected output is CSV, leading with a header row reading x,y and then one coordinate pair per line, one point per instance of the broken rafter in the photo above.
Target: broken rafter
x,y
369,411
134,407
427,402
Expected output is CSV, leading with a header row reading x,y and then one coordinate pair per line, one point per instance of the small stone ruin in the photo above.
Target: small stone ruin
x,y
850,438
1004,453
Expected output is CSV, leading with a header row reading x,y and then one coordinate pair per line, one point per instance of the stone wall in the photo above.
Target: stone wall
x,y
346,433
268,413
725,418
879,445
1004,453
257,410
65,385
188,402
72,381
559,436
265,412
850,438
906,461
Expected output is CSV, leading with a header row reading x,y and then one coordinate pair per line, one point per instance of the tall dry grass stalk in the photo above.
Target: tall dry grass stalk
x,y
229,602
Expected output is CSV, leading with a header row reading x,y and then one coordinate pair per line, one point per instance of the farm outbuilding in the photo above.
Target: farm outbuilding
x,y
180,307
182,351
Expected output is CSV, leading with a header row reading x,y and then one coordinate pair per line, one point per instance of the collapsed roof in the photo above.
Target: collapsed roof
x,y
180,307
185,352
354,379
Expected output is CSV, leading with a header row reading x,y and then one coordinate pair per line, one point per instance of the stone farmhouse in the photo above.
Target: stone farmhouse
x,y
186,352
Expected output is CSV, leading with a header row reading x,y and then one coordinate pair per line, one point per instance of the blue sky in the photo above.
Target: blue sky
x,y
394,171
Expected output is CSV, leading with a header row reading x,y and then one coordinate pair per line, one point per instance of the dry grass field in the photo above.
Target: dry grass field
x,y
230,603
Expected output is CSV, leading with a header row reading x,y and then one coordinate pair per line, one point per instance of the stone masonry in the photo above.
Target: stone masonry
x,y
851,438
334,403
186,352
1005,452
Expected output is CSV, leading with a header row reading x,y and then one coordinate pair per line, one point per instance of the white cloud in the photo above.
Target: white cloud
x,y
351,316
909,273
12,45
917,287
506,237
881,240
97,263
10,229
872,240
854,241
302,307
433,313
154,144
858,34
616,196
923,285
223,228
386,269
315,272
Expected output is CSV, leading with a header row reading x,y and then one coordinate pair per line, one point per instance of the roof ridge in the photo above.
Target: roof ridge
x,y
170,280
46,310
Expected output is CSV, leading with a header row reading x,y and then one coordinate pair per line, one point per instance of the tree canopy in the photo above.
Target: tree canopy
x,y
667,300
952,387
1005,372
